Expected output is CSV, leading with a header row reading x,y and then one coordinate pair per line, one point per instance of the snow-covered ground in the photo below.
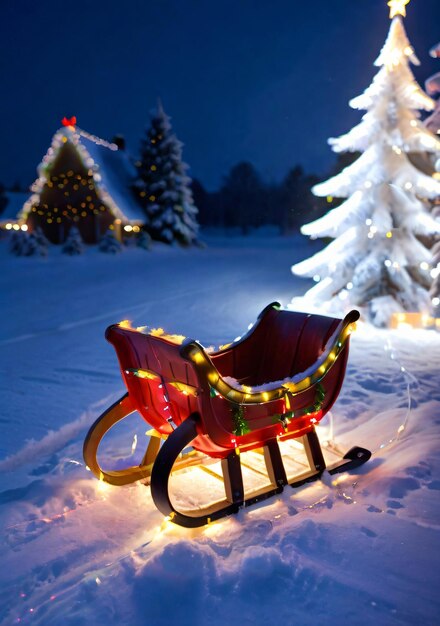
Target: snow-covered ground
x,y
362,549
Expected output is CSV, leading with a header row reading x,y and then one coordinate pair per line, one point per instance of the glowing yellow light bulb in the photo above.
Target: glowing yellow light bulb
x,y
197,357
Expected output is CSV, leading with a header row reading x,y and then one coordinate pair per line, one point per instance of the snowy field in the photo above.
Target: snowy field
x,y
362,549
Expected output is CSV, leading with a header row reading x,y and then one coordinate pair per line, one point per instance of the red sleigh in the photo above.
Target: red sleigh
x,y
273,385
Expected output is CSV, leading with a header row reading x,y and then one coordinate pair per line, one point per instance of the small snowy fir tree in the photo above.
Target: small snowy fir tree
x,y
39,243
36,244
40,238
109,243
143,240
376,261
73,244
28,244
163,186
18,243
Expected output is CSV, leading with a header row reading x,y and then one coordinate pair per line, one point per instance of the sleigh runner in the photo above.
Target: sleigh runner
x,y
271,386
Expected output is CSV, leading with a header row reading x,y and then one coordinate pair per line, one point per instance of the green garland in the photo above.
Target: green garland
x,y
240,425
313,408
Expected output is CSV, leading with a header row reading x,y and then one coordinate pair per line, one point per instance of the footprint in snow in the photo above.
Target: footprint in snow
x,y
291,510
394,504
373,509
368,532
419,471
400,486
434,484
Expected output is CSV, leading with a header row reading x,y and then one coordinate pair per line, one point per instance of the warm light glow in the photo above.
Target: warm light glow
x,y
389,234
397,7
24,227
128,228
102,486
8,226
411,320
159,332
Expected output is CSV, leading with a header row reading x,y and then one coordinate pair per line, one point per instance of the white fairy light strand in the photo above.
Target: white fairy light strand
x,y
410,379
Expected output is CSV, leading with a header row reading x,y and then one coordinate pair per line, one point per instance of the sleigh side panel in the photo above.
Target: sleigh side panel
x,y
147,363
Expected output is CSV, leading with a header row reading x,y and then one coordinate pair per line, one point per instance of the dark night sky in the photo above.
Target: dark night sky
x,y
259,80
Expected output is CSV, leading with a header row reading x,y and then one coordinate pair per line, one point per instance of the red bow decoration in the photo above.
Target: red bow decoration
x,y
66,122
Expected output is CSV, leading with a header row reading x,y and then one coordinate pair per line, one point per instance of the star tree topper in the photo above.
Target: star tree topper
x,y
397,7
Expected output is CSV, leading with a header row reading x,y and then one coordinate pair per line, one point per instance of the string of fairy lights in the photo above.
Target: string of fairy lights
x,y
77,198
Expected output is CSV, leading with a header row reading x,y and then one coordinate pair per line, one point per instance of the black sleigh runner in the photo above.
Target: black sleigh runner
x,y
232,412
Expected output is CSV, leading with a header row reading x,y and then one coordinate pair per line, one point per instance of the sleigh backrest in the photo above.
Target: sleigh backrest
x,y
282,344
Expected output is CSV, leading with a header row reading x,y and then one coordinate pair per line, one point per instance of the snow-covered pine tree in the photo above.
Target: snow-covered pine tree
x,y
433,88
28,244
435,273
18,243
433,123
41,241
163,186
73,244
37,244
143,240
109,243
376,261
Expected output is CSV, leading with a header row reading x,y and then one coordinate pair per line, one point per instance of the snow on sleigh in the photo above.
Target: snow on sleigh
x,y
220,413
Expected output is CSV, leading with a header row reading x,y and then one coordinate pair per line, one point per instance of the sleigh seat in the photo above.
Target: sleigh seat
x,y
273,384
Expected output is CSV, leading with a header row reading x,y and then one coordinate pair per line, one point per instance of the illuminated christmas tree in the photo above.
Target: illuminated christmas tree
x,y
163,186
376,261
433,123
433,88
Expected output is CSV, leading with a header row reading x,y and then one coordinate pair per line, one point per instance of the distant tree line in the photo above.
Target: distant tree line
x,y
244,201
